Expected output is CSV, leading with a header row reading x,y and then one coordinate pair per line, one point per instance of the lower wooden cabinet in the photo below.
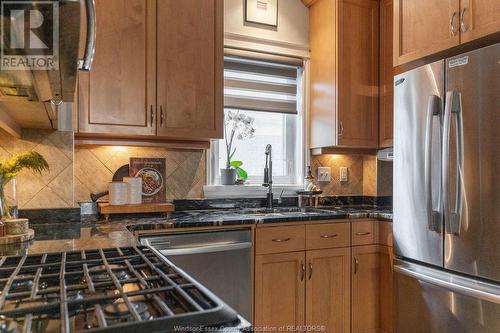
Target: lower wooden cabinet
x,y
303,288
328,288
345,288
365,289
280,289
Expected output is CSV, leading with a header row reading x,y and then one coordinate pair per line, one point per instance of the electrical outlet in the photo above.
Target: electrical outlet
x,y
344,174
324,174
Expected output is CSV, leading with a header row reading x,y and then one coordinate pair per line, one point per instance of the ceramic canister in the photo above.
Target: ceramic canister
x,y
16,226
134,194
118,193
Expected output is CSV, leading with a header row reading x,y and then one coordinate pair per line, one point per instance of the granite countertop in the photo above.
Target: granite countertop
x,y
66,230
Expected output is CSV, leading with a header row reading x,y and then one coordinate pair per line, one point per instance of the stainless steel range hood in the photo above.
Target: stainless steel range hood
x,y
30,98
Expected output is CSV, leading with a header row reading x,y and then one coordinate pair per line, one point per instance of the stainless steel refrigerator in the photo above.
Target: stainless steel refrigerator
x,y
447,195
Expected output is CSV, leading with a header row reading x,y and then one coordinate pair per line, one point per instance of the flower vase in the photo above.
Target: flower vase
x,y
8,204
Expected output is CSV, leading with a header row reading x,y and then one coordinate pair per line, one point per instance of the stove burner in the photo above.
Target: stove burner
x,y
101,274
21,285
71,295
8,326
120,312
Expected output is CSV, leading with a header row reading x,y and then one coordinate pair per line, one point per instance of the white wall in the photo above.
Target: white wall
x,y
291,37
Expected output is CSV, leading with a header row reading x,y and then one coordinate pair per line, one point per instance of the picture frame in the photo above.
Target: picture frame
x,y
263,12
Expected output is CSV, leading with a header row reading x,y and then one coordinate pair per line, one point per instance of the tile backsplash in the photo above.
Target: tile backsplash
x,y
76,172
53,188
367,175
94,168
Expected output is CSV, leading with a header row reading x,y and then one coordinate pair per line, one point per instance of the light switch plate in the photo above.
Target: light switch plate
x,y
324,174
344,174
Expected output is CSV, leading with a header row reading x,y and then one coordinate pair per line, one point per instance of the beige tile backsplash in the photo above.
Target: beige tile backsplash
x,y
367,175
76,172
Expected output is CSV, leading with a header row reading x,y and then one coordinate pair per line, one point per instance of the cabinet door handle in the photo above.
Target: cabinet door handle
x,y
151,115
310,269
329,236
463,26
356,264
281,240
161,115
341,129
362,233
303,271
452,24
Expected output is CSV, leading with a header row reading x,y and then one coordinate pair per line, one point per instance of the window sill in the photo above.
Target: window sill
x,y
247,191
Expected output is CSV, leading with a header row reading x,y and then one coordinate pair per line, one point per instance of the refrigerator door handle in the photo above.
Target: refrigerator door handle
x,y
452,217
433,110
462,285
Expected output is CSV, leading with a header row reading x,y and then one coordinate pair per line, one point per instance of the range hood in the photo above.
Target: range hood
x,y
29,98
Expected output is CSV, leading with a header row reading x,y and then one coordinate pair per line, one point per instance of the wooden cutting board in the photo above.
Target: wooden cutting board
x,y
9,239
106,209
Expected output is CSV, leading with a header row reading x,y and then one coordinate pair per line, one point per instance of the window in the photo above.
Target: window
x,y
268,93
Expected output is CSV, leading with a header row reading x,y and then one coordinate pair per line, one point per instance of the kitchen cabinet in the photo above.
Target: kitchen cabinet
x,y
118,95
425,27
479,18
365,291
328,289
280,289
385,287
148,78
344,73
190,68
386,91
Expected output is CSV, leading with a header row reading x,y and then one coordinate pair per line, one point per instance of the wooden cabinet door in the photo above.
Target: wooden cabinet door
x,y
479,18
358,73
190,68
386,91
424,27
328,298
118,96
323,65
280,289
386,280
365,291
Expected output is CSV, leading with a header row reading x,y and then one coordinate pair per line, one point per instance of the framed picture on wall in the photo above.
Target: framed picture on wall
x,y
262,12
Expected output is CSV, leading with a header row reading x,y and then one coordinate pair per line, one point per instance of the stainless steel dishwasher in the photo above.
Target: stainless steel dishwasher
x,y
220,260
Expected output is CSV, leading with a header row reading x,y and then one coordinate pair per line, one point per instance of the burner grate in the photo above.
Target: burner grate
x,y
103,290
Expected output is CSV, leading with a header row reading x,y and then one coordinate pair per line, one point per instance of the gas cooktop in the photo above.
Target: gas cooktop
x,y
105,290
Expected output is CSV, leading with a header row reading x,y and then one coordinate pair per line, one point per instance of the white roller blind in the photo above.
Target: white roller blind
x,y
260,86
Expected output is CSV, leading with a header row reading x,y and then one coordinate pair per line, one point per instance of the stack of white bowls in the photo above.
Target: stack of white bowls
x,y
134,194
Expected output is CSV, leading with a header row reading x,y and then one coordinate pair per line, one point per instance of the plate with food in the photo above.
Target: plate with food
x,y
152,181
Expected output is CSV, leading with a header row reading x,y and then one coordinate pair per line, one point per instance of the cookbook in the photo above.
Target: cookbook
x,y
153,174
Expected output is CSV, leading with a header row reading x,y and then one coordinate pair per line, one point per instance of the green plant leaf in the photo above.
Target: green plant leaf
x,y
241,173
236,164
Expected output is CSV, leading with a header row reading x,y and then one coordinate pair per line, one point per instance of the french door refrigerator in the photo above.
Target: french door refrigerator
x,y
447,195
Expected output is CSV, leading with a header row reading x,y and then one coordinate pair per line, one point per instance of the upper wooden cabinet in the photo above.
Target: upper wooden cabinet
x,y
344,73
425,27
157,70
190,68
386,72
479,18
118,95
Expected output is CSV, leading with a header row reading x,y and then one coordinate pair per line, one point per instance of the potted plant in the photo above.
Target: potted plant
x,y
11,168
239,126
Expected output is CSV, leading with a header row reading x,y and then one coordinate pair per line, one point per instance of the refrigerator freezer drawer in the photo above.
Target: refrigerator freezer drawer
x,y
434,301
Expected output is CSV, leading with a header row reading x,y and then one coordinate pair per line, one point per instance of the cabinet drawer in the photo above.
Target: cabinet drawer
x,y
280,239
364,233
326,236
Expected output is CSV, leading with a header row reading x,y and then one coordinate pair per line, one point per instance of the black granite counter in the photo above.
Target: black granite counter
x,y
65,229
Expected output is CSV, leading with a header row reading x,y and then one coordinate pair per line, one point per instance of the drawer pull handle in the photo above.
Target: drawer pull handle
x,y
356,264
303,271
362,233
281,240
329,236
310,269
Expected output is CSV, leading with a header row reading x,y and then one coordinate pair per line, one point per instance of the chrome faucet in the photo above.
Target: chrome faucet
x,y
268,176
